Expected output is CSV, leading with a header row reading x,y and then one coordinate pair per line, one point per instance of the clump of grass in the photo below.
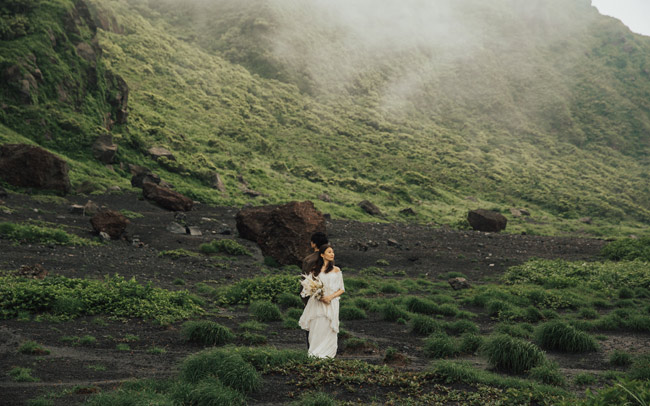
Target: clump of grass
x,y
423,306
351,312
548,373
461,326
228,366
440,345
287,300
584,378
21,374
393,356
294,313
359,345
259,288
559,336
87,340
213,392
628,249
512,354
206,332
588,313
226,246
178,253
470,343
123,347
620,358
425,325
532,314
253,338
264,310
391,312
640,368
390,288
315,399
32,348
32,234
521,330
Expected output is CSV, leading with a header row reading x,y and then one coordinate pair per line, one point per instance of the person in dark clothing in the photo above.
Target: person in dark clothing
x,y
317,240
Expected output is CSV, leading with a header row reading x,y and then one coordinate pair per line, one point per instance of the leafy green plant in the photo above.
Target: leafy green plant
x,y
512,354
628,249
26,233
123,347
229,367
623,392
640,368
557,335
32,348
584,378
259,288
547,373
206,332
21,374
620,358
264,311
230,247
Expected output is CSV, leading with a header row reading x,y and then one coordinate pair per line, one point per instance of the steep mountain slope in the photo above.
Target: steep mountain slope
x,y
542,105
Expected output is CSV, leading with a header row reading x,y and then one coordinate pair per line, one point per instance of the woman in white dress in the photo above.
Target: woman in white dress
x,y
321,316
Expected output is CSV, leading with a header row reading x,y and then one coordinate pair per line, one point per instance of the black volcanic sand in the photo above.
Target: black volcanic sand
x,y
415,249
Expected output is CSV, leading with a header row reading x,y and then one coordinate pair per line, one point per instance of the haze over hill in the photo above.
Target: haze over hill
x,y
412,104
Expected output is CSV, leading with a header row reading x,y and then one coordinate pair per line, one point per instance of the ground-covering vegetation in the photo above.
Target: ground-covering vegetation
x,y
32,233
64,298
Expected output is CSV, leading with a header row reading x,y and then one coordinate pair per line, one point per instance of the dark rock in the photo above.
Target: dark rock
x,y
370,208
194,231
166,198
408,212
33,167
142,175
160,152
250,192
524,212
486,220
104,149
76,209
3,193
392,242
88,187
282,232
110,222
459,283
91,208
119,97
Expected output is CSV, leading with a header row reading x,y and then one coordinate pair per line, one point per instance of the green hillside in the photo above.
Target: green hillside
x,y
441,109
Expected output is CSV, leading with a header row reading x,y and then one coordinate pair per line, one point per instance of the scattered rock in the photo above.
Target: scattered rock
x,y
325,197
160,152
216,182
586,220
194,231
525,212
90,208
392,242
110,222
104,149
176,228
250,192
104,236
282,232
370,208
114,189
76,209
30,166
166,198
486,220
408,212
459,283
515,212
141,175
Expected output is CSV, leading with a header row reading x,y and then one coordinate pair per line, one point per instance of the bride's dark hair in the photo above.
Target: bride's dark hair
x,y
320,261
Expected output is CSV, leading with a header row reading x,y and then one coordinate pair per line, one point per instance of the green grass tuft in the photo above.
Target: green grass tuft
x,y
511,354
559,336
206,332
265,311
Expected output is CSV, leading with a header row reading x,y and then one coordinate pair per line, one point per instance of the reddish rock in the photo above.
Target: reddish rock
x,y
110,222
31,166
486,220
166,198
282,232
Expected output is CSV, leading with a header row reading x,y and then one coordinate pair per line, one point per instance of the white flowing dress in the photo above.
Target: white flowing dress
x,y
322,320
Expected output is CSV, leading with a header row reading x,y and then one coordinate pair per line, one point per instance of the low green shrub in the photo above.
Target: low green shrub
x,y
425,325
294,313
253,325
623,392
260,288
33,234
559,336
351,312
391,312
620,358
21,374
228,366
315,399
32,348
548,373
440,345
286,300
520,330
263,358
532,314
628,249
213,392
115,296
461,326
264,310
206,332
422,306
512,354
588,313
470,343
226,246
390,288
640,368
253,338
584,378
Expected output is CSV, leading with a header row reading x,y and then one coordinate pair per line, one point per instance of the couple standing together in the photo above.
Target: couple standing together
x,y
321,315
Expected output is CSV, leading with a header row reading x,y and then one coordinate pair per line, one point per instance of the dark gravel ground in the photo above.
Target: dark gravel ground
x,y
416,250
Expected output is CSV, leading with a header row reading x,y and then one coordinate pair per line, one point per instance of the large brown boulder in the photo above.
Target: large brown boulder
x,y
486,220
104,149
31,166
141,175
166,198
282,232
110,222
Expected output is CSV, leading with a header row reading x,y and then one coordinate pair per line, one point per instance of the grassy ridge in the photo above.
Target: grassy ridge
x,y
564,134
